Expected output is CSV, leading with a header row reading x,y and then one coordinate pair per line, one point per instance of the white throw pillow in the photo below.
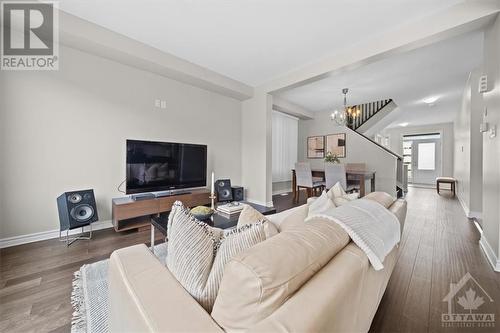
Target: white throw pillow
x,y
336,191
197,252
338,195
250,215
320,205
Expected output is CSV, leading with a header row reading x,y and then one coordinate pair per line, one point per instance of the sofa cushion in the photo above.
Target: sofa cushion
x,y
258,281
383,198
250,215
197,253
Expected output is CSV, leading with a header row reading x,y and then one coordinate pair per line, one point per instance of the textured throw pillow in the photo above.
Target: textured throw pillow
x,y
198,252
250,215
320,205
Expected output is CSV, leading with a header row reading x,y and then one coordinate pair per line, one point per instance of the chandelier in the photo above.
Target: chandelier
x,y
348,114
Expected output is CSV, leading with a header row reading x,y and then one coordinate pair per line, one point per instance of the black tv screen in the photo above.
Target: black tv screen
x,y
159,166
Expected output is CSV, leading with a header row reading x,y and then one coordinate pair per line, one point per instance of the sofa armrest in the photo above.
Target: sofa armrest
x,y
145,297
399,208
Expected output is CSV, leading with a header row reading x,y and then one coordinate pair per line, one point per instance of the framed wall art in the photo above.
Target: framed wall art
x,y
335,144
316,147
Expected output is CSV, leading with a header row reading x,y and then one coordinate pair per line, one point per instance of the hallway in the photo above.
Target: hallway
x,y
439,246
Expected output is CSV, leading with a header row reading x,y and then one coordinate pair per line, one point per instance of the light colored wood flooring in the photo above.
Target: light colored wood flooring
x,y
439,246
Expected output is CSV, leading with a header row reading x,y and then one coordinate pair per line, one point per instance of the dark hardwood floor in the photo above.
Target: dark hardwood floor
x,y
439,246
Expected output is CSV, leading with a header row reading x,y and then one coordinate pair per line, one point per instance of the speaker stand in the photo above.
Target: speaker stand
x,y
71,240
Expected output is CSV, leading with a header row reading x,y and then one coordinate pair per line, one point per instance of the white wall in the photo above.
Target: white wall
x,y
491,147
396,143
256,148
358,150
468,151
65,130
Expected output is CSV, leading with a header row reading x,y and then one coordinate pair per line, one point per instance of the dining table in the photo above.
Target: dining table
x,y
352,174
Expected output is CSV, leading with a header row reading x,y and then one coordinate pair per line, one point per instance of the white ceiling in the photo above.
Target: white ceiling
x,y
440,69
252,41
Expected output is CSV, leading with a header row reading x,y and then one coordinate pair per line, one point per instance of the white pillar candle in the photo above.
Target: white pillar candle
x,y
212,184
212,193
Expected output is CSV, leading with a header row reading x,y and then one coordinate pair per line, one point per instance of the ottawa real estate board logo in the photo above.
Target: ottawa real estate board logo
x,y
29,35
469,305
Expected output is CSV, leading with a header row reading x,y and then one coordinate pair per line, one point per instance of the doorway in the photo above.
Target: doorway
x,y
422,155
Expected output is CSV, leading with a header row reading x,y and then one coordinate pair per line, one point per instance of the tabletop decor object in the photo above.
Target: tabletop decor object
x,y
202,212
331,158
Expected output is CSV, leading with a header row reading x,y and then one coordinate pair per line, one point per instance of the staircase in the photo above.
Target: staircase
x,y
371,113
371,120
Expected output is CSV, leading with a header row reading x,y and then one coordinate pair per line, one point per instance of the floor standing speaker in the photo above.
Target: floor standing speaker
x,y
76,210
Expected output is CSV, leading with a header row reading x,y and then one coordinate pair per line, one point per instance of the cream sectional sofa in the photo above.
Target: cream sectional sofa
x,y
323,284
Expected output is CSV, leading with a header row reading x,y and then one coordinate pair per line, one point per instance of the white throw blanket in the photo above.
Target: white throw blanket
x,y
371,226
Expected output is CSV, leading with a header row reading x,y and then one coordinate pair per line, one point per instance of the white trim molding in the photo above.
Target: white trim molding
x,y
463,204
267,204
469,213
44,235
475,215
280,192
490,254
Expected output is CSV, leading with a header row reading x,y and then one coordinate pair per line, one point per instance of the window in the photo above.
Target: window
x,y
427,156
285,138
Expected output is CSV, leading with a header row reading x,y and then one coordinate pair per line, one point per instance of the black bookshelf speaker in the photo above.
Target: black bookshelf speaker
x,y
223,189
76,209
238,193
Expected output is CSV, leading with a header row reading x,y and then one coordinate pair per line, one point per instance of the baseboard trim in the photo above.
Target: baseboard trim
x,y
51,234
490,254
475,215
469,213
279,192
463,204
257,202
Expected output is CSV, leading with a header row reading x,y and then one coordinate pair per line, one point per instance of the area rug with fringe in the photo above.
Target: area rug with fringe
x,y
90,295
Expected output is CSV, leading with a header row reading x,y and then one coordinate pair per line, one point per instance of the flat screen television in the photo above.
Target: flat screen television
x,y
159,166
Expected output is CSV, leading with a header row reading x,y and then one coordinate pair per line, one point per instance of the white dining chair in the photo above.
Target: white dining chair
x,y
336,173
304,179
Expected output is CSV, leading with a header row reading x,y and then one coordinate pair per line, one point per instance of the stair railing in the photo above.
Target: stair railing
x,y
368,110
